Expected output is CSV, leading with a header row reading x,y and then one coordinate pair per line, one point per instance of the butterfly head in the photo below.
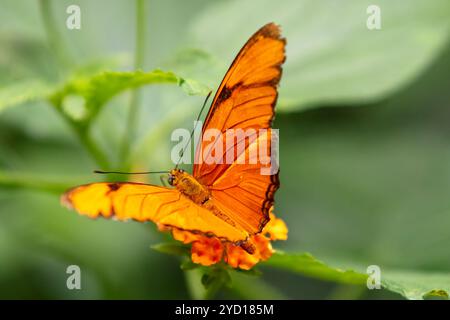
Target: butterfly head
x,y
175,176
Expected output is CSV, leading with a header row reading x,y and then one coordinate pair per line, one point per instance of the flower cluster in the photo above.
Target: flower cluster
x,y
211,250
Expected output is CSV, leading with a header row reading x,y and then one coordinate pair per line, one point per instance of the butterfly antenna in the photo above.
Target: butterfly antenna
x,y
193,130
119,172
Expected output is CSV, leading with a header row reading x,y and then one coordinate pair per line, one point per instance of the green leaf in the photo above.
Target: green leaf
x,y
417,285
306,264
172,249
100,88
95,89
410,284
247,286
215,278
33,88
436,295
332,57
23,91
371,185
254,272
189,265
192,87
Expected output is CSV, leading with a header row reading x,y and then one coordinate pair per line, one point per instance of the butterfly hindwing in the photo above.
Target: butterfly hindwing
x,y
144,202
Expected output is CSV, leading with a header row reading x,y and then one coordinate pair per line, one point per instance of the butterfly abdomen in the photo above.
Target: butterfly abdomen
x,y
194,190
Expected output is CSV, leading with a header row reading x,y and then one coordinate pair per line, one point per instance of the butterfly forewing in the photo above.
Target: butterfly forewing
x,y
245,101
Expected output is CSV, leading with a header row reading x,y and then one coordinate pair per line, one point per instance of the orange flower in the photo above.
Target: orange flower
x,y
207,251
210,250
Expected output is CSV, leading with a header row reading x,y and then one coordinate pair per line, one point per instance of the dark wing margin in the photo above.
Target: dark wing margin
x,y
270,30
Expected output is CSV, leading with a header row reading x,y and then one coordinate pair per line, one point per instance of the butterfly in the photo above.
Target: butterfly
x,y
224,199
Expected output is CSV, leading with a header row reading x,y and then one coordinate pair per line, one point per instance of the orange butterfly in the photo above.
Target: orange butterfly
x,y
229,201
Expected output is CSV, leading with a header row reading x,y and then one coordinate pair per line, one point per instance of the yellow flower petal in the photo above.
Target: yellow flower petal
x,y
276,228
263,246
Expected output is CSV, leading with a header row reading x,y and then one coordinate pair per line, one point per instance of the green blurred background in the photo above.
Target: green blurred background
x,y
363,118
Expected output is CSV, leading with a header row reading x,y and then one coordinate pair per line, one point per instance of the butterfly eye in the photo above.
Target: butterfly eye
x,y
170,180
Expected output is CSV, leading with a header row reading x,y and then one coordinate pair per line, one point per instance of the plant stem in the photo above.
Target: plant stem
x,y
54,38
65,61
92,148
194,284
135,96
11,180
82,132
212,291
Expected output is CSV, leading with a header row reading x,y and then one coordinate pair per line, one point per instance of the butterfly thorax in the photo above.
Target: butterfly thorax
x,y
189,186
197,192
